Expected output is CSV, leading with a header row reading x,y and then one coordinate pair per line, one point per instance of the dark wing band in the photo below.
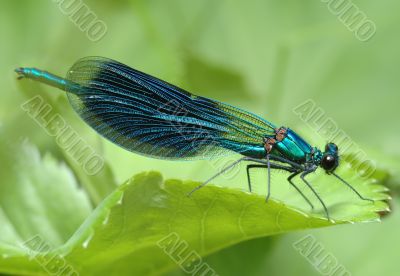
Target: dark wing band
x,y
149,116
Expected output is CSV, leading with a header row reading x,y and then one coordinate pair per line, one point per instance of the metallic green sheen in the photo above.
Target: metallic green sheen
x,y
294,147
43,76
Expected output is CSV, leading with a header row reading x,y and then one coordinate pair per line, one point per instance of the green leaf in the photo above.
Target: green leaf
x,y
238,257
282,54
132,223
35,193
38,196
71,140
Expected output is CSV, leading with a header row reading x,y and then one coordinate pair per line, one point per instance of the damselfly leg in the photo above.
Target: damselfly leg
x,y
257,166
279,167
289,179
218,174
302,176
249,159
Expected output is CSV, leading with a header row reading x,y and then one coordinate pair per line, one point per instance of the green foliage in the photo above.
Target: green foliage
x,y
264,56
132,222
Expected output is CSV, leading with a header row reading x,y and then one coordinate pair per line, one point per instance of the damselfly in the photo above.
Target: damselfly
x,y
146,115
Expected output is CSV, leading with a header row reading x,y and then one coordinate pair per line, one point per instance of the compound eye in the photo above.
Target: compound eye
x,y
329,162
331,146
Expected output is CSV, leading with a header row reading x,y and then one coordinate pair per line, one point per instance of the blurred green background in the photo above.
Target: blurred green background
x,y
263,56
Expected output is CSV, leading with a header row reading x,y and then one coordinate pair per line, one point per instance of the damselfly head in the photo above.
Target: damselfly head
x,y
330,159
